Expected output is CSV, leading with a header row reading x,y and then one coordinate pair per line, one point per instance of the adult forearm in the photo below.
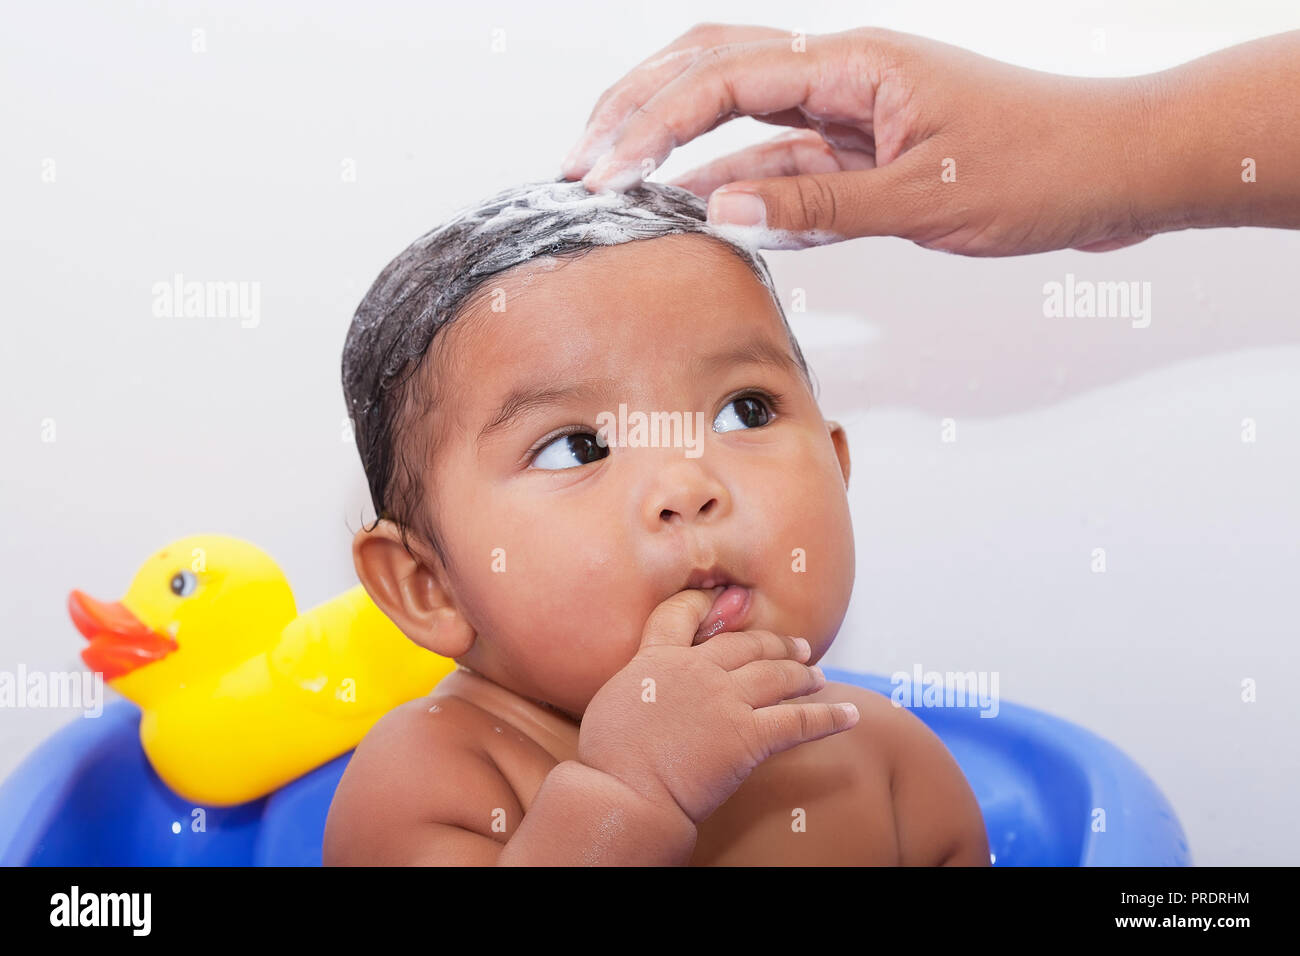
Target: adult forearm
x,y
1222,140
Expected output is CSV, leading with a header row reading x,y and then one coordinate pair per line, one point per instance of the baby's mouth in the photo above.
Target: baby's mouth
x,y
730,607
731,600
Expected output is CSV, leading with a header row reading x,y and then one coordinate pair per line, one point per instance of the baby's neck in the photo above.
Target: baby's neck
x,y
486,693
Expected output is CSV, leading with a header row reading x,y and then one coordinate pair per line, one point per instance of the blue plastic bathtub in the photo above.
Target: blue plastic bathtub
x,y
88,797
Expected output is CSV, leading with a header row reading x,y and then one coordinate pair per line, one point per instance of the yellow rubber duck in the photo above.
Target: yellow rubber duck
x,y
240,693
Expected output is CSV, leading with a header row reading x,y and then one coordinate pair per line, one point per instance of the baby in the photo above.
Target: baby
x,y
635,617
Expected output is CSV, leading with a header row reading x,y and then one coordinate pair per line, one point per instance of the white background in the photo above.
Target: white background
x,y
1072,434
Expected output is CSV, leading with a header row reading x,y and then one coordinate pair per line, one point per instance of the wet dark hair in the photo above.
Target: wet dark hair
x,y
423,290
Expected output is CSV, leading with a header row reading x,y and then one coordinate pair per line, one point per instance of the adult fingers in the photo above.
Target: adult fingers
x,y
817,208
644,80
790,154
760,76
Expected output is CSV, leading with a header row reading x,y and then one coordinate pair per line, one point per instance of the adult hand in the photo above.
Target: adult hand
x,y
905,136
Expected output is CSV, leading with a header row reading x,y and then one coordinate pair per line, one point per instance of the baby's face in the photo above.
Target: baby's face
x,y
558,548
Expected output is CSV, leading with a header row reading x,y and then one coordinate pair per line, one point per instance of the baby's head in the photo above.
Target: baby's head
x,y
496,373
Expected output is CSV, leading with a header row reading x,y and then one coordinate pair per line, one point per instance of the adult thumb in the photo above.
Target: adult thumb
x,y
818,208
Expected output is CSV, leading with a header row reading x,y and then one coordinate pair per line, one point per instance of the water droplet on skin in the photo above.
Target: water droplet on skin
x,y
497,729
435,709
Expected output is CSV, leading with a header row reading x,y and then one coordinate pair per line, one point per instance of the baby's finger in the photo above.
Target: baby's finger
x,y
799,151
643,81
783,726
736,649
760,76
675,621
764,683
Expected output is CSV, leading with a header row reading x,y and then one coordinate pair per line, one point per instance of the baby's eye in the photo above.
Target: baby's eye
x,y
568,451
750,411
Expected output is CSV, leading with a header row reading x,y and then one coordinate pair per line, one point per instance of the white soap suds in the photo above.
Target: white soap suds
x,y
608,217
755,238
617,176
596,148
537,224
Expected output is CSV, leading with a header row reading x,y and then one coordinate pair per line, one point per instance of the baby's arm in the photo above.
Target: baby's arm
x,y
420,790
936,817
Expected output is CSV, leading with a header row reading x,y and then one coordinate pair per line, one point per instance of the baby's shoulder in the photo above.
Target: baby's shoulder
x,y
877,716
936,816
872,743
441,726
424,764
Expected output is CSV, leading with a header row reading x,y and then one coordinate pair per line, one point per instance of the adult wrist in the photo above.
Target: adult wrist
x,y
1152,174
1218,142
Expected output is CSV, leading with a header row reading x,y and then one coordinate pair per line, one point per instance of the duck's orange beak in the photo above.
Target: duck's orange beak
x,y
119,641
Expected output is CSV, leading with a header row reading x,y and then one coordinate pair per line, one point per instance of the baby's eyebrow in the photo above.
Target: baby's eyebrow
x,y
756,352
525,398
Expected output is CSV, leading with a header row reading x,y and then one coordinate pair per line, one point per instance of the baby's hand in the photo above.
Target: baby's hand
x,y
686,725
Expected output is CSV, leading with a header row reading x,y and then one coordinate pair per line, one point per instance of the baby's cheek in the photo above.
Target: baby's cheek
x,y
837,558
588,597
813,559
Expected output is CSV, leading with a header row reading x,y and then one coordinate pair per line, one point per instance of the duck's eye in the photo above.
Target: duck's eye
x,y
748,411
184,583
569,451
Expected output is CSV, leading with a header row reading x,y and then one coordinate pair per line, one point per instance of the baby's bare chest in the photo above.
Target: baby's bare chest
x,y
822,803
816,805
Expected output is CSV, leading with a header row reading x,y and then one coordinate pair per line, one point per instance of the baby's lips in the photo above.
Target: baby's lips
x,y
727,613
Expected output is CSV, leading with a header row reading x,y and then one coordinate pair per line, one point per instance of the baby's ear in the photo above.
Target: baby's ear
x,y
409,591
840,439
